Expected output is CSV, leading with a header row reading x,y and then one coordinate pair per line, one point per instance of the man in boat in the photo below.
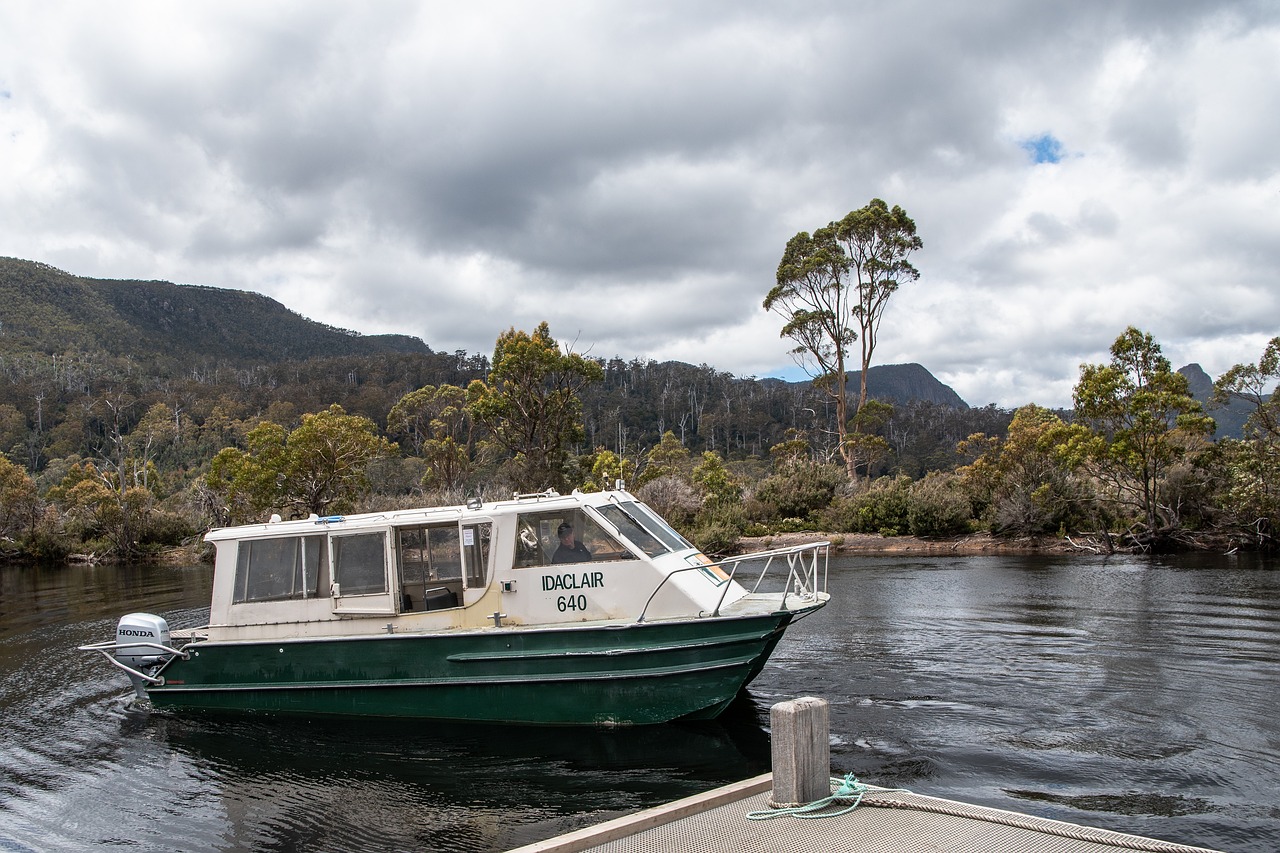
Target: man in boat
x,y
570,549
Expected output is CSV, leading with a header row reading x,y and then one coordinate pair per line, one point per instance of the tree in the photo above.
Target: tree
x,y
437,424
429,412
668,458
812,295
1144,422
99,507
1020,482
14,434
832,288
720,520
607,468
327,457
879,242
1256,384
20,506
719,487
157,428
793,450
1251,491
530,404
317,468
866,442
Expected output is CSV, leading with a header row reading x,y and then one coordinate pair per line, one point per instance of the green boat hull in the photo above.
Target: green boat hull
x,y
589,675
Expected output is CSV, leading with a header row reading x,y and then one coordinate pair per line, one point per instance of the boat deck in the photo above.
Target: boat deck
x,y
886,821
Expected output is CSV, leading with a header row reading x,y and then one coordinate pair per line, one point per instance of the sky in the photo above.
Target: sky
x,y
630,172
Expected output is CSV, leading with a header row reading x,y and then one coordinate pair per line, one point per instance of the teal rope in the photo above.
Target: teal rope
x,y
849,789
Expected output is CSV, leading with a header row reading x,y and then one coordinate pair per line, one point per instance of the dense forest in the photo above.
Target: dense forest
x,y
135,415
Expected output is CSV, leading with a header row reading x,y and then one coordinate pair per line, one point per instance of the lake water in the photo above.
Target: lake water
x,y
1132,694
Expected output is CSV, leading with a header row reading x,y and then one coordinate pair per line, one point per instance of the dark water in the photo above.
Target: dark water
x,y
1132,694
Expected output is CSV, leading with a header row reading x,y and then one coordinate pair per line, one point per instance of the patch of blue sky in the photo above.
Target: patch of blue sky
x,y
1045,148
793,373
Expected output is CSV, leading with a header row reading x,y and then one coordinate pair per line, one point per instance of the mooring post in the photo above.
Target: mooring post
x,y
801,751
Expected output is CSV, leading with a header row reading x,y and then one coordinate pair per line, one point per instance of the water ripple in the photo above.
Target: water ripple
x,y
1134,695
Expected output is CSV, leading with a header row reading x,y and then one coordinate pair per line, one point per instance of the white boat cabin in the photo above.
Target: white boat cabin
x,y
536,560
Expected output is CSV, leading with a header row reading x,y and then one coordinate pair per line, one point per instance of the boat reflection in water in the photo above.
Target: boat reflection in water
x,y
346,783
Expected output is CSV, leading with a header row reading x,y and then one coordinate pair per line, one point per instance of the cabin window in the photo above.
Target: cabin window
x,y
446,553
359,563
475,540
277,569
430,554
643,528
539,537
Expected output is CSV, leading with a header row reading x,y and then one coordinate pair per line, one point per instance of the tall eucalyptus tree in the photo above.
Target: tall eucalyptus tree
x,y
832,290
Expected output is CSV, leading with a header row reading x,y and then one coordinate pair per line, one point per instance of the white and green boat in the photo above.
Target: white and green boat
x,y
552,609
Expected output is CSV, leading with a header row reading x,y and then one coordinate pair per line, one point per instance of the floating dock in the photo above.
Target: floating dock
x,y
885,821
800,808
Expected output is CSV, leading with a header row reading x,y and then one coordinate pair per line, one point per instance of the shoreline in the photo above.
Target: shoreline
x,y
843,544
870,544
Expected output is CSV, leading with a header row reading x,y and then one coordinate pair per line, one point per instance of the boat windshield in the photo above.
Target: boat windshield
x,y
644,528
564,536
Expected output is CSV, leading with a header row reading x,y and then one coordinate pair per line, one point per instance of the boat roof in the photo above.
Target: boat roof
x,y
316,524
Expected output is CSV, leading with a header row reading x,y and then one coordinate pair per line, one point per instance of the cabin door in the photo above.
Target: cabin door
x,y
361,576
430,558
476,539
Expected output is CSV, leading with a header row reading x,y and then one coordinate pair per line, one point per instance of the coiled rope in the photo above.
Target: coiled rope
x,y
849,794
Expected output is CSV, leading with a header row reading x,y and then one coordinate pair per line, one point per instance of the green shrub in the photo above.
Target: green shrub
x,y
882,508
716,538
938,506
166,529
718,528
671,497
797,492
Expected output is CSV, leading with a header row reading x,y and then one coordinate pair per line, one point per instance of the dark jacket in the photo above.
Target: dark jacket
x,y
577,554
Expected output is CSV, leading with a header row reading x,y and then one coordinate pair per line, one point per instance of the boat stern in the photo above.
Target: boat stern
x,y
142,647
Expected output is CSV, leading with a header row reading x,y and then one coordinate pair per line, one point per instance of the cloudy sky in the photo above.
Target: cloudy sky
x,y
631,172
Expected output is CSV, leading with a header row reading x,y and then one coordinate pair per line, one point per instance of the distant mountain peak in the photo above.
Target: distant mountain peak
x,y
1229,418
903,383
1197,379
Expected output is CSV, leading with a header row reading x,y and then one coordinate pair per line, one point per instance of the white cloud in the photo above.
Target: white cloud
x,y
632,173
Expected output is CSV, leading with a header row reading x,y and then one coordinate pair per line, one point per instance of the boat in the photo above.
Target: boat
x,y
578,609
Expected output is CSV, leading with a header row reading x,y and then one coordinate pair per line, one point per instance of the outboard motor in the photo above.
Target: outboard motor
x,y
145,628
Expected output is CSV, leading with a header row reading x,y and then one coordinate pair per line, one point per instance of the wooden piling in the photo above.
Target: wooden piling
x,y
801,751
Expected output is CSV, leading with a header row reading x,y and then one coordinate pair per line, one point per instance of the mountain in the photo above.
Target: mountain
x,y
903,383
1230,418
44,309
83,359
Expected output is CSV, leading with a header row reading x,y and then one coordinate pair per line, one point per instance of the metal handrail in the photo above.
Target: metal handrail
x,y
801,579
108,647
806,581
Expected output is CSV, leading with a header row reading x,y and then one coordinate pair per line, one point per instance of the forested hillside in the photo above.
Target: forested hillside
x,y
70,346
162,325
134,415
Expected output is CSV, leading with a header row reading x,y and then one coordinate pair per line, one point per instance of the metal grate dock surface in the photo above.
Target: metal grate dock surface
x,y
885,822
